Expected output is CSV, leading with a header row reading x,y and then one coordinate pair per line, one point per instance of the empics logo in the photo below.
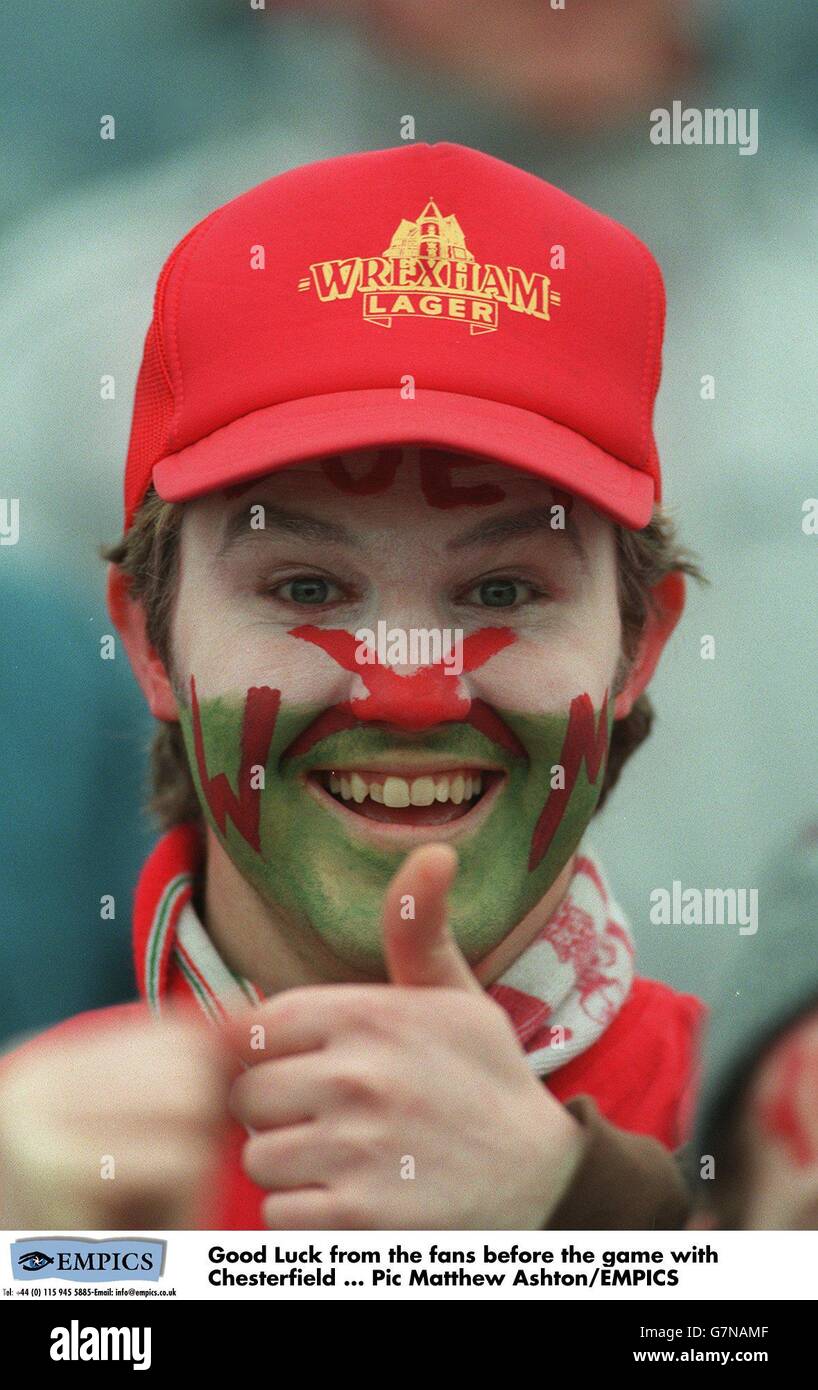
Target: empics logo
x,y
87,1261
75,1343
428,271
34,1261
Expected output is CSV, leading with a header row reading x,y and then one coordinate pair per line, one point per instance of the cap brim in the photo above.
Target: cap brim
x,y
281,435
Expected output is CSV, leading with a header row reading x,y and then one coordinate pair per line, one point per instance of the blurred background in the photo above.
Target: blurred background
x,y
210,97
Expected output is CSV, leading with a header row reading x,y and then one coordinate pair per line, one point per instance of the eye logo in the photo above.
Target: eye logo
x,y
34,1260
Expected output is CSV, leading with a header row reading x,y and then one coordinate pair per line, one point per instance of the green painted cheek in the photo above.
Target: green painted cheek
x,y
495,888
310,866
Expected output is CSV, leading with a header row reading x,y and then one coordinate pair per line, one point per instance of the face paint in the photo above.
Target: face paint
x,y
379,477
307,854
785,1115
317,783
436,478
584,745
418,701
258,724
441,490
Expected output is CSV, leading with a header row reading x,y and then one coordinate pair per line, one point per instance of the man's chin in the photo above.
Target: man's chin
x,y
362,953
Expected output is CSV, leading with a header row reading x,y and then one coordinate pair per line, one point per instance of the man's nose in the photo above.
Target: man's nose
x,y
408,698
417,700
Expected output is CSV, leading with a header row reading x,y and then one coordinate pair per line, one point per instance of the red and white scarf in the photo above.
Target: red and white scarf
x,y
560,994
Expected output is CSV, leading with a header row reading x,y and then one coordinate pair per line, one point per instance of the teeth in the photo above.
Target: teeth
x,y
422,791
359,787
396,792
456,787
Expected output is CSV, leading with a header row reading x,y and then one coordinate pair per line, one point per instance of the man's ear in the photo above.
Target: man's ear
x,y
668,601
128,616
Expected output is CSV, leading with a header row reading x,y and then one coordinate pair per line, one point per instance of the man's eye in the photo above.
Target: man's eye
x,y
499,593
307,589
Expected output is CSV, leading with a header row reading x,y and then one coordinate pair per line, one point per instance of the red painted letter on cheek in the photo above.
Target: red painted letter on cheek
x,y
582,744
260,715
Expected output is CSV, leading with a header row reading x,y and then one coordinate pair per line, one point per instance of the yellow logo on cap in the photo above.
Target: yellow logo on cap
x,y
428,270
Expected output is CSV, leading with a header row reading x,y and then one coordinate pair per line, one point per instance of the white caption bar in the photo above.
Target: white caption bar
x,y
414,1265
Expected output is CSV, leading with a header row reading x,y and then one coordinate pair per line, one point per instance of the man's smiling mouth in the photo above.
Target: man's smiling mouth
x,y
406,798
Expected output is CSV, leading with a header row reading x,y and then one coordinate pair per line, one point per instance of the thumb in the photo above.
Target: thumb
x,y
418,945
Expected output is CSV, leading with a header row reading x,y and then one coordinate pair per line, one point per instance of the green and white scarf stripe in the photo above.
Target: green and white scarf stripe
x,y
157,936
217,989
196,987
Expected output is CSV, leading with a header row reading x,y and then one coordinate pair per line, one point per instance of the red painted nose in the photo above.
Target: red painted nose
x,y
416,701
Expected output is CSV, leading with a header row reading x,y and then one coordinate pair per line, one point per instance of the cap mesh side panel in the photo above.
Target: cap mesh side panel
x,y
152,414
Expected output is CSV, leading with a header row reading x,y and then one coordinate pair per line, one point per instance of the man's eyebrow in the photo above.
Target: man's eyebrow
x,y
495,530
238,528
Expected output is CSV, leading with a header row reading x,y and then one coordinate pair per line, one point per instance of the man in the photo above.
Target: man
x,y
383,585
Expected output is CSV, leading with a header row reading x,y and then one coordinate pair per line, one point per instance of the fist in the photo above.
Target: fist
x,y
402,1106
387,1108
116,1129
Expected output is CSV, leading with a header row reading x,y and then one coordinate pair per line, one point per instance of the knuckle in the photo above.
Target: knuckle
x,y
349,1212
413,1102
255,1159
245,1100
372,1010
283,1010
359,1087
282,1013
354,1149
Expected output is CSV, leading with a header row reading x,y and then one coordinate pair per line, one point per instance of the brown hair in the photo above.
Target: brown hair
x,y
148,554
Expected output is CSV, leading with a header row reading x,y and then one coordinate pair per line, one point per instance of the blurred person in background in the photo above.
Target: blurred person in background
x,y
74,731
170,74
74,740
763,1135
733,235
755,1159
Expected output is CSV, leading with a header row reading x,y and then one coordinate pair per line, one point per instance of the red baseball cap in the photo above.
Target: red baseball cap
x,y
428,294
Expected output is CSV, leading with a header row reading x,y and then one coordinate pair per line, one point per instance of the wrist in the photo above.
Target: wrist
x,y
566,1144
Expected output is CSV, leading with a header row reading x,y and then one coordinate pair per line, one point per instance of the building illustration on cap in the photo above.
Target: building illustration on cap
x,y
428,271
432,238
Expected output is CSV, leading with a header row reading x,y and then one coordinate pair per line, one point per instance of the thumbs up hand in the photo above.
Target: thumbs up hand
x,y
407,1105
419,948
